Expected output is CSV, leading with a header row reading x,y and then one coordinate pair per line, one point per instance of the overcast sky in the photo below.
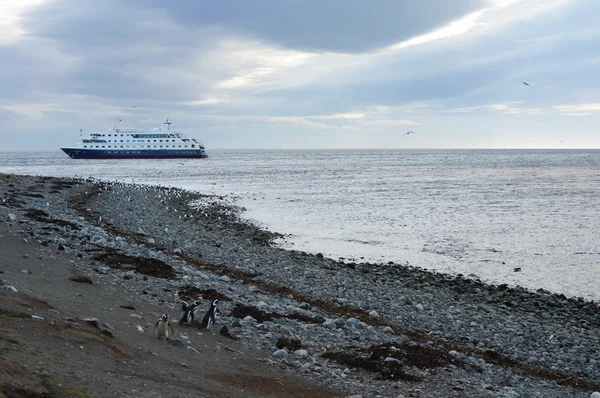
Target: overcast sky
x,y
304,73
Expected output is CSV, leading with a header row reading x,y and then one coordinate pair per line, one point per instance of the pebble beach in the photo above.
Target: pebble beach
x,y
365,329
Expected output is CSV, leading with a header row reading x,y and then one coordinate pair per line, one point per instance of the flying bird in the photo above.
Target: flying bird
x,y
408,132
134,106
525,83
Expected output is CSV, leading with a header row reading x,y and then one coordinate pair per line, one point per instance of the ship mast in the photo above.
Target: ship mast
x,y
168,123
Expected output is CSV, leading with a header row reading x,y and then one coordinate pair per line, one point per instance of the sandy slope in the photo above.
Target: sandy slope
x,y
71,358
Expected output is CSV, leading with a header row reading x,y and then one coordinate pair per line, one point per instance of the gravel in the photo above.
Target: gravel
x,y
484,340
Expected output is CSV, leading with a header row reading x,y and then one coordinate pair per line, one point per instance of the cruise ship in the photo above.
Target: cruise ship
x,y
117,143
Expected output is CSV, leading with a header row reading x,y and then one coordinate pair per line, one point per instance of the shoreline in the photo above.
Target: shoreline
x,y
503,332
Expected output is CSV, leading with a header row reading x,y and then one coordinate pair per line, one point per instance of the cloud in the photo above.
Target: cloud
x,y
507,108
347,26
578,109
392,122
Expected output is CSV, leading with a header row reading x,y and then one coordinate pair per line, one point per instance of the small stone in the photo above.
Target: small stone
x,y
301,353
419,307
388,329
12,217
39,318
374,314
135,316
595,394
92,321
224,278
82,279
177,343
9,288
280,353
248,320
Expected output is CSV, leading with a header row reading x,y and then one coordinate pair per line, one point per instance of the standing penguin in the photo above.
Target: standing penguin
x,y
190,312
163,327
209,317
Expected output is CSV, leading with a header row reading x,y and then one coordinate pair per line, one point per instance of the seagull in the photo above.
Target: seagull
x,y
525,83
134,106
408,132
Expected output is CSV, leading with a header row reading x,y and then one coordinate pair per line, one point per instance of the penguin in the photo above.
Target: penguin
x,y
209,317
190,312
163,326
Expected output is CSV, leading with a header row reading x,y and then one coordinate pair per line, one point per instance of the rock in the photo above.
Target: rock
x,y
301,353
224,278
92,321
129,275
225,332
8,288
280,353
135,316
38,318
177,251
177,343
419,307
82,279
595,395
248,320
388,329
328,324
374,314
12,217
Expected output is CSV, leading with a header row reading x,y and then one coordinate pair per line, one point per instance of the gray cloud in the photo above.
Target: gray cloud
x,y
332,25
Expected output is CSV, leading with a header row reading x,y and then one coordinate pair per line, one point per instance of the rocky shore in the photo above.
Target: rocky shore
x,y
370,330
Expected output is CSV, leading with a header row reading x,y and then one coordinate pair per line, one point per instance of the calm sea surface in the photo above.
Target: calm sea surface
x,y
475,212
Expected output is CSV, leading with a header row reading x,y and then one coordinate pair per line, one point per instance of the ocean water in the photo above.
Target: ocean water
x,y
481,213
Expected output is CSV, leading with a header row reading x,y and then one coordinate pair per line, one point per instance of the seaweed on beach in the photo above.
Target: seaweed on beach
x,y
143,265
392,361
42,216
242,311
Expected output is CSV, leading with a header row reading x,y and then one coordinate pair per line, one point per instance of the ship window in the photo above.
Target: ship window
x,y
121,135
193,146
121,140
148,146
154,140
85,146
102,146
127,140
121,146
109,135
160,140
96,146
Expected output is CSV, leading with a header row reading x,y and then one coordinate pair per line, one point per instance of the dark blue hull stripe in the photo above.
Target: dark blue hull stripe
x,y
132,154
